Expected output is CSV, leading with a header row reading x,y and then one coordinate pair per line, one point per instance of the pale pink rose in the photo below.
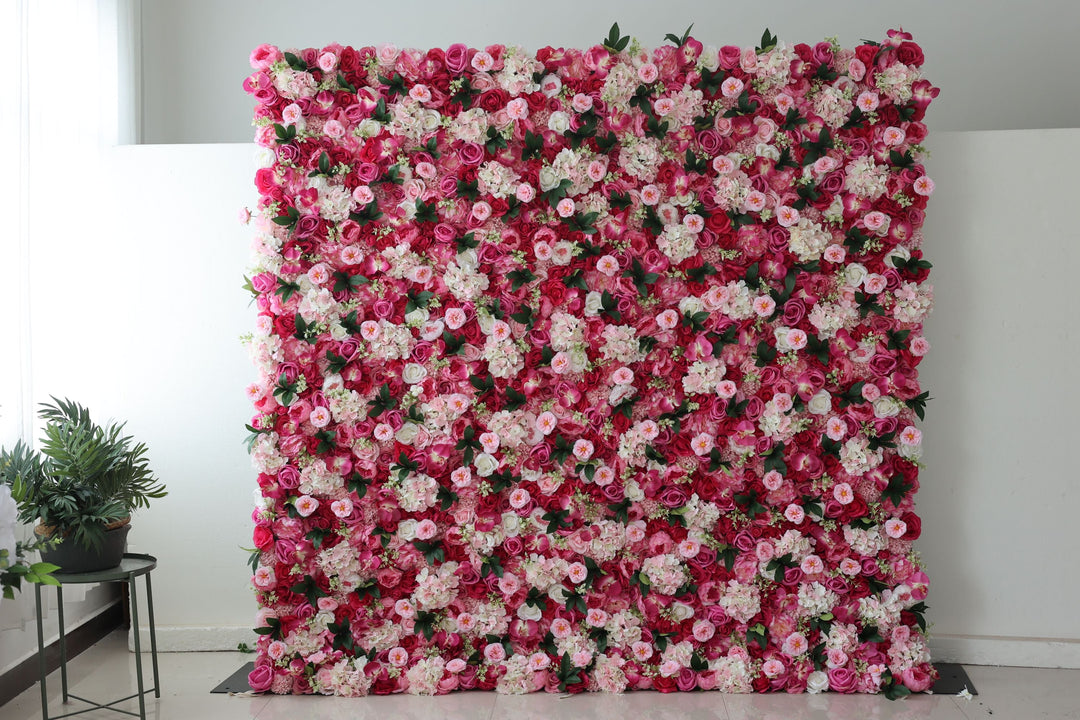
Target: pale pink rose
x,y
664,106
835,253
923,186
642,651
421,274
726,389
782,402
689,548
483,61
517,109
754,201
764,305
694,222
667,319
351,254
276,650
893,136
489,441
784,102
871,392
519,498
596,170
581,658
764,551
583,450
291,114
874,283
398,656
772,668
787,216
650,195
560,363
581,102
604,476
565,208
383,432
867,101
420,93
648,73
795,644
426,529
457,665
724,165
796,338
812,565
244,216
577,572
454,318
649,429
772,481
895,528
465,622
856,70
264,577
334,129
824,165
669,668
537,662
320,417
561,628
405,608
387,53
546,422
596,618
794,513
702,444
342,508
525,193
305,505
481,211
363,194
850,567
835,428
919,346
426,170
843,493
494,652
622,376
543,251
731,87
875,220
461,477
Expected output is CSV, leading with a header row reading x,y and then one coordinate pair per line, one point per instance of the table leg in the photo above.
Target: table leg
x,y
41,653
138,650
153,635
63,641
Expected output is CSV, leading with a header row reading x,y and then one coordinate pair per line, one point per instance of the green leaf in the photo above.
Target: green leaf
x,y
766,353
679,41
757,634
345,84
896,490
534,146
768,42
514,399
615,42
918,404
519,277
426,212
295,62
774,459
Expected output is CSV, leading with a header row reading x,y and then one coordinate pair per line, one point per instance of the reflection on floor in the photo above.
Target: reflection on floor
x,y
106,671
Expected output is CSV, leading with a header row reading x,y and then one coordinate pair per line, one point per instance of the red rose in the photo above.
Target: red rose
x,y
866,53
666,684
263,538
910,53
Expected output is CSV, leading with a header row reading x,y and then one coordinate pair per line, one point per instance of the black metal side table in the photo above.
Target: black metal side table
x,y
132,566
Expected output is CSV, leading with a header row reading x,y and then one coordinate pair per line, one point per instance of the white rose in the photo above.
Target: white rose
x,y
264,157
557,593
690,305
900,252
417,317
854,274
486,321
709,58
564,253
579,359
780,334
681,611
559,122
430,120
337,332
467,260
593,304
633,491
821,403
369,128
529,612
767,150
548,178
511,524
485,464
414,373
407,529
817,681
886,406
407,434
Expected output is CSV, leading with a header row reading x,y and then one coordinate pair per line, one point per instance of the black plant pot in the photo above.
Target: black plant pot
x,y
74,558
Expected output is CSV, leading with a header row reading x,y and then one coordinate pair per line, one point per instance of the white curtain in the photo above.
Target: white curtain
x,y
72,91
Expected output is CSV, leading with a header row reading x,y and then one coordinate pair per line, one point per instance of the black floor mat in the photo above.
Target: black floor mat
x,y
237,682
953,680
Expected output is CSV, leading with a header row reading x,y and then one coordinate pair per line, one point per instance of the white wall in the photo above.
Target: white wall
x,y
1001,64
1000,490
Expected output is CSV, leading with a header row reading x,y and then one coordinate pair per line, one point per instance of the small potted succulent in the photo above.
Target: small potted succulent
x,y
82,486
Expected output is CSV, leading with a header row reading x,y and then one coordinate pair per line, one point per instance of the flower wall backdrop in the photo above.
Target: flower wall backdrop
x,y
589,370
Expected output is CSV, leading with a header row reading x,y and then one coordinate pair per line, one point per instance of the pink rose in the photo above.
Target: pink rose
x,y
261,678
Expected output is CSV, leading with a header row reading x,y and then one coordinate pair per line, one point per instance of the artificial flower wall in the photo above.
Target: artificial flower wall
x,y
589,369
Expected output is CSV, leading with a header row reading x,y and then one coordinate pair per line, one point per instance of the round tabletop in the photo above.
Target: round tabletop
x,y
133,565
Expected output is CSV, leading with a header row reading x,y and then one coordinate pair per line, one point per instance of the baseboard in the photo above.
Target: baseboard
x,y
184,638
1014,651
25,674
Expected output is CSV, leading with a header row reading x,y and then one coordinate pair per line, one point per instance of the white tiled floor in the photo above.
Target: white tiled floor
x,y
107,671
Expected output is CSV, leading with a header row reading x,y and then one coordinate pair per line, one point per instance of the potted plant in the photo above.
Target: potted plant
x,y
82,486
